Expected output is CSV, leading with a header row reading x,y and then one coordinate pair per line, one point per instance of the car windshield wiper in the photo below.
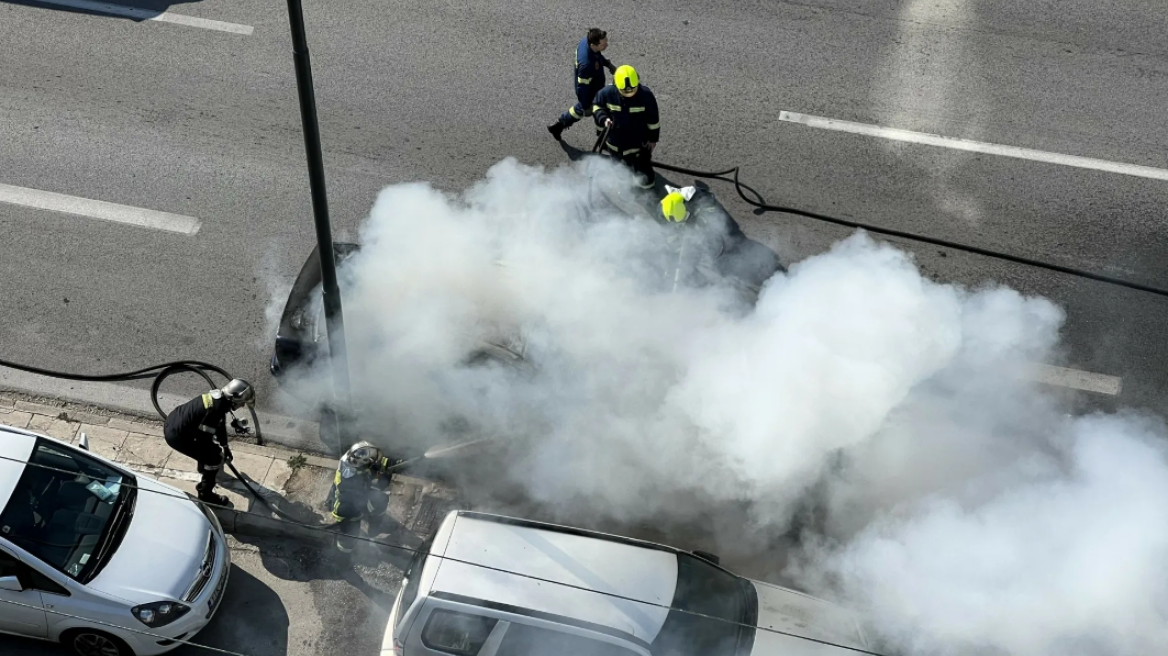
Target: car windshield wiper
x,y
113,536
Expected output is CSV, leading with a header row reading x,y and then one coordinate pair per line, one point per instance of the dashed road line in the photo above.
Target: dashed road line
x,y
99,209
1075,379
924,138
151,14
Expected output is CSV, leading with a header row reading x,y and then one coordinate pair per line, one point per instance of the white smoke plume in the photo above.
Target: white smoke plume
x,y
944,497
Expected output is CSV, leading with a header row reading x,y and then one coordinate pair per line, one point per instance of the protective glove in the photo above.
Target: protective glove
x,y
227,456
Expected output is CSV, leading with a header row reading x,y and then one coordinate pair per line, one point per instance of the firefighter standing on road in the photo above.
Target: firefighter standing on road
x,y
363,475
629,109
589,75
198,429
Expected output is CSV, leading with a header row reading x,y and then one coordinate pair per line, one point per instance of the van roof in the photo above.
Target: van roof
x,y
519,563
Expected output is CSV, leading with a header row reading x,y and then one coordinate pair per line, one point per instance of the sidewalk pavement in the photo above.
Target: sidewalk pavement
x,y
297,483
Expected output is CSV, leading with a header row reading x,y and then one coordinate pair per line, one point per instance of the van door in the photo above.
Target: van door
x,y
21,610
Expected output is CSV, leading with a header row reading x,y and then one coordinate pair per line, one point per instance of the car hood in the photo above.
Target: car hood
x,y
795,613
163,548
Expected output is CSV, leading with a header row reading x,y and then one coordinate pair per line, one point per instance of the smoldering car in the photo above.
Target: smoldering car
x,y
708,249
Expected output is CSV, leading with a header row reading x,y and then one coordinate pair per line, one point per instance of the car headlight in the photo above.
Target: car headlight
x,y
159,613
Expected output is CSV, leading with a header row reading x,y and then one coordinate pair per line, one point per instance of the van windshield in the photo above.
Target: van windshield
x,y
713,612
68,509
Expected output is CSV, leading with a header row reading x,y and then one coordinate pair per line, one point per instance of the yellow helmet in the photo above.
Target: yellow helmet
x,y
673,207
625,77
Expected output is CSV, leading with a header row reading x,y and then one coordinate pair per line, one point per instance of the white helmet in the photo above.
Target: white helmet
x,y
240,392
361,455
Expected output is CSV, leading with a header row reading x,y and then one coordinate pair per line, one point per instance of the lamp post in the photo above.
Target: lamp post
x,y
334,320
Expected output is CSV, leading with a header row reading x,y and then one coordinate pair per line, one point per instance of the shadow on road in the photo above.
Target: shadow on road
x,y
135,10
264,633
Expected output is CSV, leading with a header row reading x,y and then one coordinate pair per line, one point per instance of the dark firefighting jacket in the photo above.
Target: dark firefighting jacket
x,y
635,121
352,486
589,72
203,417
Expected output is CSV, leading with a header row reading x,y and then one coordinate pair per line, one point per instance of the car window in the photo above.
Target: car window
x,y
524,640
462,634
61,507
29,576
716,601
9,566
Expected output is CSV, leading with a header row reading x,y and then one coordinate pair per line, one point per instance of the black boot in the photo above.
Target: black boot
x,y
557,129
206,494
347,533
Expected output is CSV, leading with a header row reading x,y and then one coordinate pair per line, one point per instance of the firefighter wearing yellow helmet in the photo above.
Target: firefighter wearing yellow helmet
x,y
628,109
673,207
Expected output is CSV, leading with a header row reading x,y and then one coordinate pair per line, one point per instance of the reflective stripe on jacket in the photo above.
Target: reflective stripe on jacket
x,y
202,417
589,71
635,121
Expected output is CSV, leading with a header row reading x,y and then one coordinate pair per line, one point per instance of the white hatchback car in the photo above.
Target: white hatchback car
x,y
103,561
487,585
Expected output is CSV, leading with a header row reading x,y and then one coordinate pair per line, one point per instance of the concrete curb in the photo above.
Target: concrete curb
x,y
287,432
105,399
136,442
241,522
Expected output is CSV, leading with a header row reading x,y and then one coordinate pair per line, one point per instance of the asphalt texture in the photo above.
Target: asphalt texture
x,y
206,124
286,600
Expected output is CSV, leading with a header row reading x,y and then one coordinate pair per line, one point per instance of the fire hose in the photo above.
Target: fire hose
x,y
160,373
755,199
163,371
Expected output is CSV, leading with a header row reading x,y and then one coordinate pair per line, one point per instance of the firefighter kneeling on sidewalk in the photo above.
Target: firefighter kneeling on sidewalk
x,y
359,487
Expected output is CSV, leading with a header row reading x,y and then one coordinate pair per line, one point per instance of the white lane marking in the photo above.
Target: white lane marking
x,y
151,14
99,209
955,143
1075,379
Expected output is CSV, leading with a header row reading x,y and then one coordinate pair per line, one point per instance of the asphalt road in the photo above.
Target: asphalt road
x,y
206,123
287,600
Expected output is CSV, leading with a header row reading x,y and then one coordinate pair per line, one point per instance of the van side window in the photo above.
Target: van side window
x,y
413,576
524,640
462,634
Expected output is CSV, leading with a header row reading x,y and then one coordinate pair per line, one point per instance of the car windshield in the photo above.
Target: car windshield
x,y
68,509
711,607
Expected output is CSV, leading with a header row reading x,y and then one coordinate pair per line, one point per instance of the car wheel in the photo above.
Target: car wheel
x,y
89,642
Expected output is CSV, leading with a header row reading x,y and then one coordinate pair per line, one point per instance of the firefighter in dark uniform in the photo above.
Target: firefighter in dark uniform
x,y
363,475
714,235
589,79
629,110
198,429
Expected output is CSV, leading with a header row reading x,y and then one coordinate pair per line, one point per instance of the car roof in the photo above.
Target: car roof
x,y
519,563
16,447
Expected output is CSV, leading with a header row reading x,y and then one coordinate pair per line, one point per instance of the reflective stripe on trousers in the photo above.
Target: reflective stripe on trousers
x,y
614,149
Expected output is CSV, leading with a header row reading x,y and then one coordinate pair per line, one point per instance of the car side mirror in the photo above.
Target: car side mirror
x,y
11,584
83,441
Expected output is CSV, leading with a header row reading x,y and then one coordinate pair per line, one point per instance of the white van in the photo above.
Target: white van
x,y
103,561
487,585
